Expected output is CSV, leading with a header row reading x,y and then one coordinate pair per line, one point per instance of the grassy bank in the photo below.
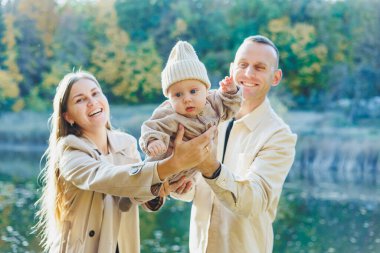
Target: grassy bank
x,y
31,128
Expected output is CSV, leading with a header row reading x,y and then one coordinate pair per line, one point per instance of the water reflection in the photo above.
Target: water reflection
x,y
337,160
17,217
167,230
324,217
327,220
20,162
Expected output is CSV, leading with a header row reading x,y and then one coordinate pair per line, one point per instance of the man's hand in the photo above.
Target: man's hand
x,y
209,165
186,154
189,153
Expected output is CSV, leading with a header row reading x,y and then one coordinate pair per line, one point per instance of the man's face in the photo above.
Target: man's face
x,y
255,70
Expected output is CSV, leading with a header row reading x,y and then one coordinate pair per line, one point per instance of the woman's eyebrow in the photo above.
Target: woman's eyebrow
x,y
77,95
81,94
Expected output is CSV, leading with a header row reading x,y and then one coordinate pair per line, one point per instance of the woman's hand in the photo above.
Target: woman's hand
x,y
186,154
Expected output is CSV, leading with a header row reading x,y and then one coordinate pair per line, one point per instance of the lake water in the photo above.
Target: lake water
x,y
330,202
324,217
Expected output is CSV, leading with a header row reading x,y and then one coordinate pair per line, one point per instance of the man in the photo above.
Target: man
x,y
235,201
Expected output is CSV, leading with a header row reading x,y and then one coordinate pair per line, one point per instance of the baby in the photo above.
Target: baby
x,y
190,102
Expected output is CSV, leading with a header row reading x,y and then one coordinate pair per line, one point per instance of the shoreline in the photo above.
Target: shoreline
x,y
22,147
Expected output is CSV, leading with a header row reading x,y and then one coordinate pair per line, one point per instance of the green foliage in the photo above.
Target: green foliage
x,y
141,18
194,21
10,76
130,72
301,53
2,31
328,48
146,66
31,58
8,88
43,14
35,101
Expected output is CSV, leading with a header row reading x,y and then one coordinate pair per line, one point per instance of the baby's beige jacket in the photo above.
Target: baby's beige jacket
x,y
163,125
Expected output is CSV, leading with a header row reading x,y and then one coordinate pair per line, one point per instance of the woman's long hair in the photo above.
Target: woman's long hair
x,y
53,204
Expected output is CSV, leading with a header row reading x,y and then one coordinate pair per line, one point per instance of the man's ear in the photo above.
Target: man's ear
x,y
231,69
277,77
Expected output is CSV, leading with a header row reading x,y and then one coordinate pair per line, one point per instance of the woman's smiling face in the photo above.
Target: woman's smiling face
x,y
87,106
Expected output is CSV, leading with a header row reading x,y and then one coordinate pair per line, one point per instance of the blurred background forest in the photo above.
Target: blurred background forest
x,y
330,97
329,49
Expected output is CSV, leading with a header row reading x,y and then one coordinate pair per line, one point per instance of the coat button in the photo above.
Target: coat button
x,y
91,233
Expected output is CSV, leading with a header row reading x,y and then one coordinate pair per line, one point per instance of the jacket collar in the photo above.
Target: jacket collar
x,y
116,143
253,119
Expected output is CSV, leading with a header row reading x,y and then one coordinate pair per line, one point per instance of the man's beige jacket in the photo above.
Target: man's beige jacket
x,y
235,211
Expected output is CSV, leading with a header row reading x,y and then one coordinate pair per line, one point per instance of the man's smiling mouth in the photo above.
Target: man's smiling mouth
x,y
249,84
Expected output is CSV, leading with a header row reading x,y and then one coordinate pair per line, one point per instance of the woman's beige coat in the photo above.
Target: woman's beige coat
x,y
92,183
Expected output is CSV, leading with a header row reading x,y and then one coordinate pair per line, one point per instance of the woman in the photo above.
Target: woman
x,y
90,167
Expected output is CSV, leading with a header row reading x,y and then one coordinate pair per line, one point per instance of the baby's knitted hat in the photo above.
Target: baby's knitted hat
x,y
183,64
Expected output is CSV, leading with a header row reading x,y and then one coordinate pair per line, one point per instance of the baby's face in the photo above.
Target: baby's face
x,y
188,97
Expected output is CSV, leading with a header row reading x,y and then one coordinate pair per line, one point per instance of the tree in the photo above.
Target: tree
x,y
193,20
44,16
141,18
301,55
128,70
2,29
245,18
31,58
10,76
363,18
71,45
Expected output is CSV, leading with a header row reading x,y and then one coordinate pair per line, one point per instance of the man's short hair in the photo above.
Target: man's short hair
x,y
264,40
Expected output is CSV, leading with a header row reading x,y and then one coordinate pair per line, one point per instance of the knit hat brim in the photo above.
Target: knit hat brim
x,y
183,64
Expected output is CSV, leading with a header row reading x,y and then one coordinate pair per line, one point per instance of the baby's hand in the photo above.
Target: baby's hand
x,y
228,85
156,148
182,186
